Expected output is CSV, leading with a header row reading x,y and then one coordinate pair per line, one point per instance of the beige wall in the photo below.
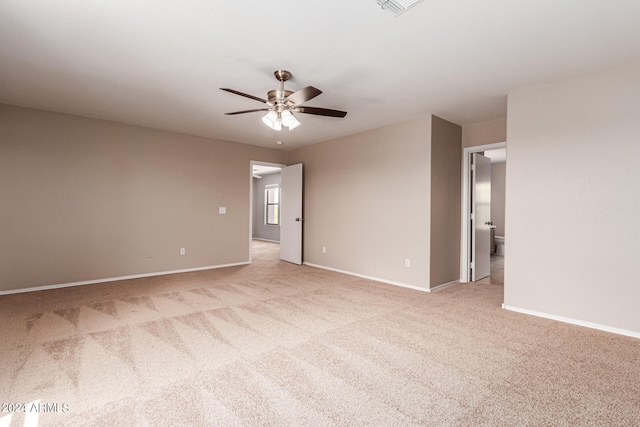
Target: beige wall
x,y
483,133
446,171
367,200
572,200
498,176
84,199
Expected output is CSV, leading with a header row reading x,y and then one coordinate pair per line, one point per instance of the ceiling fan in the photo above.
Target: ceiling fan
x,y
281,104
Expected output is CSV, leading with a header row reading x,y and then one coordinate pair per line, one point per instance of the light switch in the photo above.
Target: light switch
x,y
222,210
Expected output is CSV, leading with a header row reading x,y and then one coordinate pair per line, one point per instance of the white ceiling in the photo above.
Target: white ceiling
x,y
498,155
265,170
159,63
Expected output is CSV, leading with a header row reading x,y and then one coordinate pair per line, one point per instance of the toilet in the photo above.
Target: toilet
x,y
499,245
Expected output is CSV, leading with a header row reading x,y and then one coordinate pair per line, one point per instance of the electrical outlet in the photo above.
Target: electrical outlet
x,y
407,262
182,251
149,254
324,249
222,210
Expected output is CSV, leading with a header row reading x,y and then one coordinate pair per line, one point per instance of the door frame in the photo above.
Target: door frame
x,y
465,240
251,163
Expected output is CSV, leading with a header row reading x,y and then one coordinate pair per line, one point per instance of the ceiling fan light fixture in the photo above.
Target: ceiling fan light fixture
x,y
270,119
287,118
277,125
295,123
281,103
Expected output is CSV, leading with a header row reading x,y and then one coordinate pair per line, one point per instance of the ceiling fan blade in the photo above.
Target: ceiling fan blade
x,y
321,111
246,111
243,94
303,95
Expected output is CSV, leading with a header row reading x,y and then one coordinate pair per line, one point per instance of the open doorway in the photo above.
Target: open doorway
x,y
285,208
264,223
483,226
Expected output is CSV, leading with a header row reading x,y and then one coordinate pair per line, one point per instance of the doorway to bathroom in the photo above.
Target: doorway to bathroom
x,y
482,245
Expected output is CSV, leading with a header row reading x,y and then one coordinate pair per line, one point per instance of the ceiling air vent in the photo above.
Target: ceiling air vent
x,y
397,6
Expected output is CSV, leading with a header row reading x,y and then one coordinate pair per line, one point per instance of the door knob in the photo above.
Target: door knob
x,y
298,219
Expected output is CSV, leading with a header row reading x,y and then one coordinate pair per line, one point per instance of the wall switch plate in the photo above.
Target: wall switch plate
x,y
407,262
182,251
324,249
222,210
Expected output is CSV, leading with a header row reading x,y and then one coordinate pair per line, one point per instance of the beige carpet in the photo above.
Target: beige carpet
x,y
277,344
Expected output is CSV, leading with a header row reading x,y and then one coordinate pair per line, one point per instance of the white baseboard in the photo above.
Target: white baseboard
x,y
377,279
445,285
266,240
574,321
115,279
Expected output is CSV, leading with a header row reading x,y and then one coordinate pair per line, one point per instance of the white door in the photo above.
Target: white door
x,y
291,214
481,216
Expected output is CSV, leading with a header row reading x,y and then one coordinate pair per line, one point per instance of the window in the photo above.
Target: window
x,y
271,204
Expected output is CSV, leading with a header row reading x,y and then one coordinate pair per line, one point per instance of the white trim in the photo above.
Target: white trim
x,y
464,236
445,285
574,321
377,279
115,279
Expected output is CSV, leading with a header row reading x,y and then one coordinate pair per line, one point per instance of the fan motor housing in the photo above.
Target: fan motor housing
x,y
277,95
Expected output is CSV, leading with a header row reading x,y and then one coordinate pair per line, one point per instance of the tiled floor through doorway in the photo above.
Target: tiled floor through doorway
x,y
496,275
